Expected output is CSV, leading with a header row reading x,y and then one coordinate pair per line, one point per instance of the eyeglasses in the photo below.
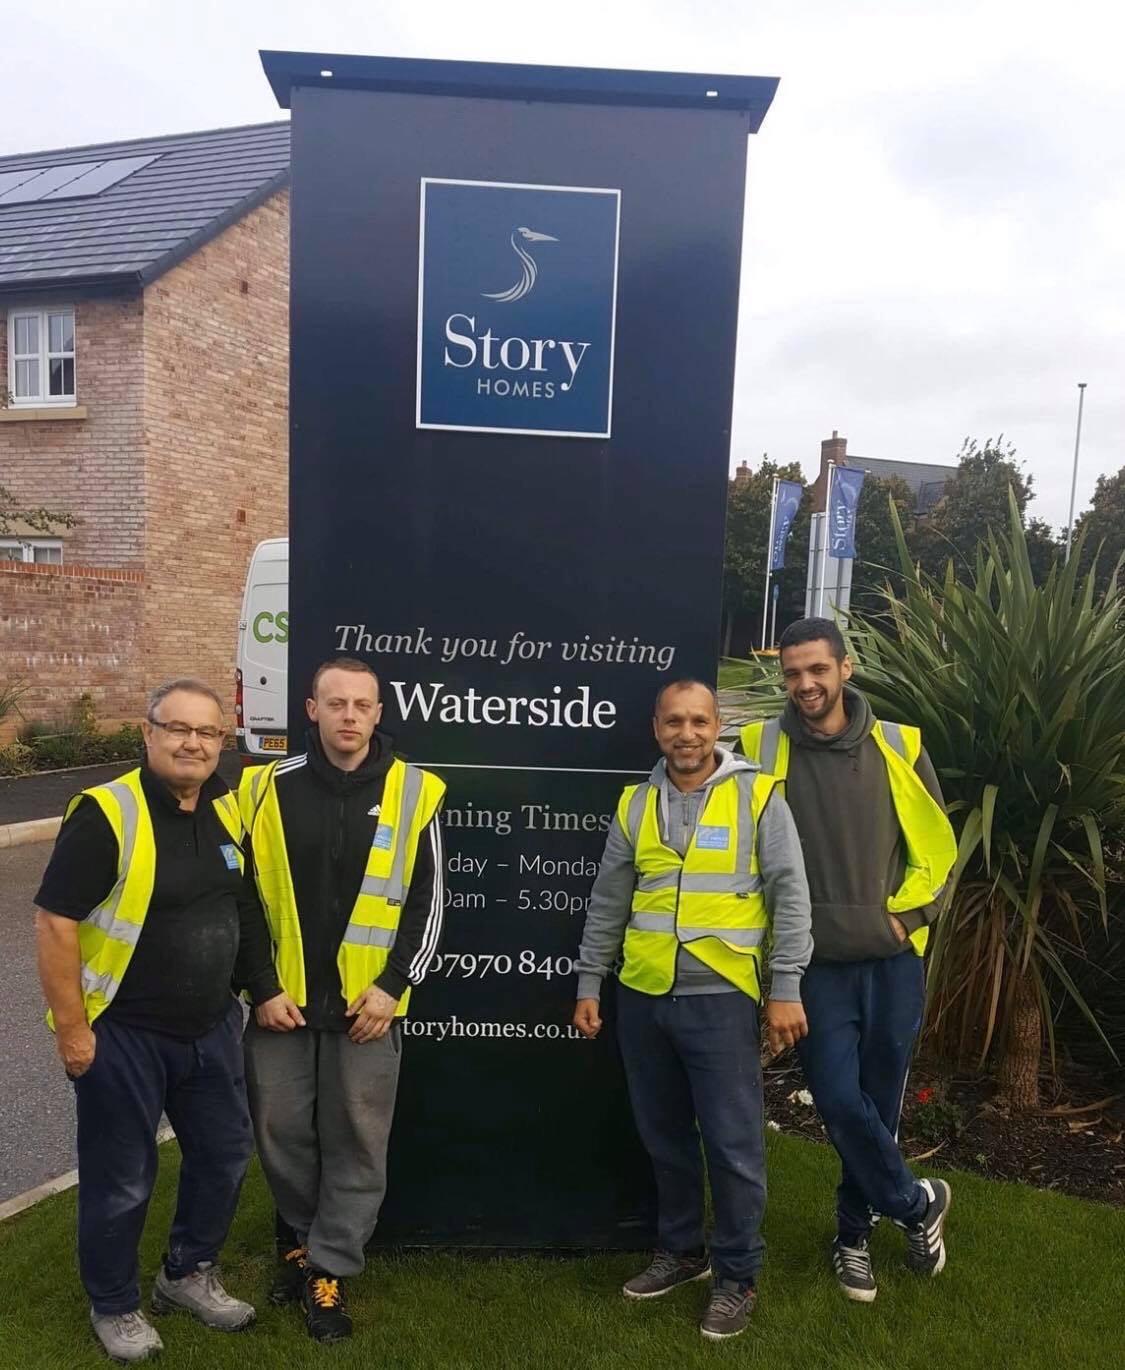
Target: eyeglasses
x,y
181,731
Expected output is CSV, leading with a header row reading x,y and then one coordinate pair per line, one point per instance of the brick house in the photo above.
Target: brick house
x,y
143,389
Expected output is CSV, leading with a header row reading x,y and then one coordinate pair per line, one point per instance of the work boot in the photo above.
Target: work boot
x,y
326,1314
289,1276
666,1272
201,1295
730,1306
925,1246
853,1270
126,1337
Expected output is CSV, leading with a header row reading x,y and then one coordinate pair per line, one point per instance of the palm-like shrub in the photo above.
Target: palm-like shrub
x,y
1020,694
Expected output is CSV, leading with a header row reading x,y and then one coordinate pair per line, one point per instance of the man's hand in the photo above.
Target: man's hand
x,y
786,1023
374,1012
900,931
587,1017
279,1014
76,1047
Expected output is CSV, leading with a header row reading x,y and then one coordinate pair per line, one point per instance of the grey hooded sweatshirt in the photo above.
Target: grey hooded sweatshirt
x,y
854,852
783,879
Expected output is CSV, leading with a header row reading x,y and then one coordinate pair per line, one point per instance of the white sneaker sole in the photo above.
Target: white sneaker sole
x,y
659,1293
720,1336
858,1295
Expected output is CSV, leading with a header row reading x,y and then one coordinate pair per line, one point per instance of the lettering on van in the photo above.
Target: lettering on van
x,y
268,627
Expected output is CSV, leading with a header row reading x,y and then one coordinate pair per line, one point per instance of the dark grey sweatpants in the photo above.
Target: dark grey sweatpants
x,y
322,1110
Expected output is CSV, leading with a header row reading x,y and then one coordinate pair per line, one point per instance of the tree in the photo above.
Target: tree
x,y
1015,687
975,503
745,548
36,518
876,547
1043,548
1103,527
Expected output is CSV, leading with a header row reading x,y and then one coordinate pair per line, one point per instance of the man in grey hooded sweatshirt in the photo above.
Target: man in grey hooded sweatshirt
x,y
702,863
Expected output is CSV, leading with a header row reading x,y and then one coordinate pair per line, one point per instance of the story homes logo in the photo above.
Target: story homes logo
x,y
536,355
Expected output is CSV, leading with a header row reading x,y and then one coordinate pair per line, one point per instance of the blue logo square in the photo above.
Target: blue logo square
x,y
517,300
384,837
230,855
709,838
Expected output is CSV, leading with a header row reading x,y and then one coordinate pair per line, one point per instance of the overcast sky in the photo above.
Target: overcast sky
x,y
935,240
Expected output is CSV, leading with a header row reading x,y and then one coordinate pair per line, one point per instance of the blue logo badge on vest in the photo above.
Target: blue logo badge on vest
x,y
384,837
710,838
517,301
230,855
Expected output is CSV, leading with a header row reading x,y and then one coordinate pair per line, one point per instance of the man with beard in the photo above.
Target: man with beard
x,y
701,865
347,856
878,848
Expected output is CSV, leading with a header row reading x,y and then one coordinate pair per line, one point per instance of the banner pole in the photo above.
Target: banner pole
x,y
769,564
773,616
825,544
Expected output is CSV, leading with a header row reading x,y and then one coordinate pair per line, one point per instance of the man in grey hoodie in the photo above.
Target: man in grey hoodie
x,y
702,863
878,848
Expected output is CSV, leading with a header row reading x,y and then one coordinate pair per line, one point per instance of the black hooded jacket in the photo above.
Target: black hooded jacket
x,y
329,817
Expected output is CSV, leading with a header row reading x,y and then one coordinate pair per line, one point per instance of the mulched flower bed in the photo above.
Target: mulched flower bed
x,y
1075,1143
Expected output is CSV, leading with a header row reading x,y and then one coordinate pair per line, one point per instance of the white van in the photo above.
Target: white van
x,y
261,678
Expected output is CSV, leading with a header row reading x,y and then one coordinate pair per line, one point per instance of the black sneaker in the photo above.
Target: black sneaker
x,y
326,1315
853,1270
667,1271
731,1304
289,1277
925,1248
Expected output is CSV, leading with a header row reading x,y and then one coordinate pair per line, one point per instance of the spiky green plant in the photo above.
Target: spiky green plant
x,y
1020,694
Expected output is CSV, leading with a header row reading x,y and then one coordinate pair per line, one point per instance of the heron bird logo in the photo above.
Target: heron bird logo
x,y
529,270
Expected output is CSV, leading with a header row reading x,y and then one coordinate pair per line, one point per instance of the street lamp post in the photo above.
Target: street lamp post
x,y
1074,474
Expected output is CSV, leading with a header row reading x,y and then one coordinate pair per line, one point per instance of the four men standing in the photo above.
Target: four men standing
x,y
145,907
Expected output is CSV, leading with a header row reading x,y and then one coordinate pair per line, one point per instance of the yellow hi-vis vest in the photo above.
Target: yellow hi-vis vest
x,y
107,937
411,797
709,900
931,848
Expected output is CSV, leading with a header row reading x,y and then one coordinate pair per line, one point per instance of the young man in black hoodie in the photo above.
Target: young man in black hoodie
x,y
347,856
878,848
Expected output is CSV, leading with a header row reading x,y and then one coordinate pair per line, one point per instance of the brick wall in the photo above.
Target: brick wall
x,y
92,467
66,630
216,425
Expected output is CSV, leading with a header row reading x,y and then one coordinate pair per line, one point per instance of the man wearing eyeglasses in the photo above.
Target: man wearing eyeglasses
x,y
138,922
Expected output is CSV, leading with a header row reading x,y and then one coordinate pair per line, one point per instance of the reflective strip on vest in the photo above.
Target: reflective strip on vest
x,y
369,937
892,734
392,888
771,737
104,918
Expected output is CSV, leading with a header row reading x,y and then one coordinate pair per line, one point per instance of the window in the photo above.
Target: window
x,y
41,356
37,551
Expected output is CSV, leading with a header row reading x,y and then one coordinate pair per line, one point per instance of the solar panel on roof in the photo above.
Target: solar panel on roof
x,y
46,179
72,182
10,179
100,178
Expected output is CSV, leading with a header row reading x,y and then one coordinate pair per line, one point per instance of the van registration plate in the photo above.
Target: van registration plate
x,y
274,744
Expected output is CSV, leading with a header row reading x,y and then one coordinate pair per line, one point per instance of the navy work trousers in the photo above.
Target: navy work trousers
x,y
863,1018
693,1069
135,1076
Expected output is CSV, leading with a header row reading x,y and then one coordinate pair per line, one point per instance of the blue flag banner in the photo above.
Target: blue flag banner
x,y
846,485
789,494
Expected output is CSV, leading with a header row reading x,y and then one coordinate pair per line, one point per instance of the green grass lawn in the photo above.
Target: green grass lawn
x,y
1034,1280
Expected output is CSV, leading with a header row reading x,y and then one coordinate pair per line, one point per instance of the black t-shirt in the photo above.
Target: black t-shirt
x,y
178,981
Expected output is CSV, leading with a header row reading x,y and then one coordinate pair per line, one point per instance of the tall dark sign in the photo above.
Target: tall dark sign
x,y
514,304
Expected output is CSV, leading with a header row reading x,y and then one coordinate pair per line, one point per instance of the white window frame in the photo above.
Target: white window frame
x,y
27,547
43,400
